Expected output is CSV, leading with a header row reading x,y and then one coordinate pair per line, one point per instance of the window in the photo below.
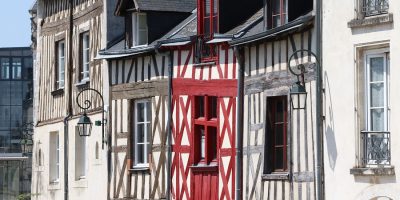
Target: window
x,y
139,32
16,68
278,13
54,161
5,68
207,28
375,7
84,57
60,64
142,132
205,131
80,156
276,135
375,134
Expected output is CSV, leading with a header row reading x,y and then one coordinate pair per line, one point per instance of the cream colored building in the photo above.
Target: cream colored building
x,y
360,61
70,34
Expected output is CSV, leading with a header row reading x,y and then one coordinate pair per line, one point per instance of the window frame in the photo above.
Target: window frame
x,y
17,68
282,12
270,143
54,165
60,65
84,65
136,30
147,133
210,139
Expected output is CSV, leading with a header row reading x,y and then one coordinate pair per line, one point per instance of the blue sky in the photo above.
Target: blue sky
x,y
15,23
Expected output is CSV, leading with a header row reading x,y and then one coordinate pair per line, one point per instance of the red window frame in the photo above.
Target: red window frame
x,y
277,134
207,120
207,26
280,13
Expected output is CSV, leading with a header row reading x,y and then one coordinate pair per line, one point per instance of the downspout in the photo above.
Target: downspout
x,y
169,129
320,118
109,138
239,123
69,111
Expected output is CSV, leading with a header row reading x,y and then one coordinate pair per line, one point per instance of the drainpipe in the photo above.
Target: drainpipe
x,y
69,111
169,129
320,117
239,52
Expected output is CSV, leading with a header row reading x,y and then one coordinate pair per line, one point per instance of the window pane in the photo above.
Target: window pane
x,y
279,158
142,39
207,7
140,133
279,134
16,68
5,116
5,93
207,27
212,142
276,7
377,120
213,103
276,21
142,24
377,94
5,68
377,70
202,143
139,154
148,108
140,112
199,106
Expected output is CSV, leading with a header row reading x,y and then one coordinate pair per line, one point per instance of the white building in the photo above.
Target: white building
x,y
360,47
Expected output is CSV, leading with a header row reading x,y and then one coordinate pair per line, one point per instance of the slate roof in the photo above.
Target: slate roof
x,y
166,5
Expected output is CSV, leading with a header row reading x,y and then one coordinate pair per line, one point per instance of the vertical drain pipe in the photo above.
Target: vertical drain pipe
x,y
239,52
69,79
169,129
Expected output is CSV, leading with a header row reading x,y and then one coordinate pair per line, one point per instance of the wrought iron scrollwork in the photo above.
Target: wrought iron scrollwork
x,y
376,148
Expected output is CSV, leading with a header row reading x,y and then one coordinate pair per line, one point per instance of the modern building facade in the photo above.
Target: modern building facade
x,y
16,88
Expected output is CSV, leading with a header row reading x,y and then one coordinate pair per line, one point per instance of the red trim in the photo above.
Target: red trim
x,y
204,87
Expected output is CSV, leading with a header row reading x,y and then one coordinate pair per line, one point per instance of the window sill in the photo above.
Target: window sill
x,y
373,171
204,64
54,185
204,168
81,183
275,176
141,169
58,92
83,83
371,21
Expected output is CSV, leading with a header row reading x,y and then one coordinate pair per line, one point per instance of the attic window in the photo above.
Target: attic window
x,y
209,24
280,12
139,29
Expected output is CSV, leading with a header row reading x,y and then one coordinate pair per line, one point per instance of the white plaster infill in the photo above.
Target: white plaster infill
x,y
373,171
371,21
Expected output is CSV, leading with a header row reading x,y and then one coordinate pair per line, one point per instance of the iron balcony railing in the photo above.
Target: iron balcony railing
x,y
376,146
375,7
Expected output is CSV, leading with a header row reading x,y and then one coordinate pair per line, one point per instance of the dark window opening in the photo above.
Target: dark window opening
x,y
276,135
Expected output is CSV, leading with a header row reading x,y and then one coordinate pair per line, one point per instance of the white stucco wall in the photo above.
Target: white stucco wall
x,y
339,55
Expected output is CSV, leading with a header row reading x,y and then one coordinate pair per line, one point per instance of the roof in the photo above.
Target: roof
x,y
166,5
33,8
157,5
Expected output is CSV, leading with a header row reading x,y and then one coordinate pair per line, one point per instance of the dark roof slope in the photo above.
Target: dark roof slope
x,y
166,5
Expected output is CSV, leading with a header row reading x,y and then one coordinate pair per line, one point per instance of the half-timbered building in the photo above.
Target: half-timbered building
x,y
139,96
204,91
69,35
278,142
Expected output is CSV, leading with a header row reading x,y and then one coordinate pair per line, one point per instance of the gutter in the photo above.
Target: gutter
x,y
239,52
169,130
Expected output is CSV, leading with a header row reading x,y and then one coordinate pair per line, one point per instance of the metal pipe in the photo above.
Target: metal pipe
x,y
239,123
319,121
169,129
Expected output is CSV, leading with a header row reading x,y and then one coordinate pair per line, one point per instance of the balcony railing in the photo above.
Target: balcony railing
x,y
376,146
375,7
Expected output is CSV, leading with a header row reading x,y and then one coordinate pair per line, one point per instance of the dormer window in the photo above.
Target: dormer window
x,y
207,26
139,29
278,13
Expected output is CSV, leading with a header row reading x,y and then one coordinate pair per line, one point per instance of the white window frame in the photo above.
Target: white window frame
x,y
85,39
54,165
81,158
146,137
60,64
376,54
137,32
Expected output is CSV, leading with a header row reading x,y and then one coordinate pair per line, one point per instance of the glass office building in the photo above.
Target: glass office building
x,y
16,124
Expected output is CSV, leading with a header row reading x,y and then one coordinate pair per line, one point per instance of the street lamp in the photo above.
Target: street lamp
x,y
298,93
85,123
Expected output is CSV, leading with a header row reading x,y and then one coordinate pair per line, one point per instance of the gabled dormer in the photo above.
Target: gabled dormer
x,y
148,20
215,18
280,12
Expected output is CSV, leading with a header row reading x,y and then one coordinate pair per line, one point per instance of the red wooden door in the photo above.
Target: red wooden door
x,y
205,185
